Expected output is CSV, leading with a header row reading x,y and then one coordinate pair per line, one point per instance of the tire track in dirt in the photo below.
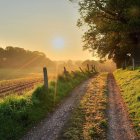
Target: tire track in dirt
x,y
50,128
120,127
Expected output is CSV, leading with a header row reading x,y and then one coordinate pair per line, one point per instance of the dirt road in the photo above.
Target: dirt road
x,y
120,127
50,128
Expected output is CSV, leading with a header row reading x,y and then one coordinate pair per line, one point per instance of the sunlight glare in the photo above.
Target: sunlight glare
x,y
58,43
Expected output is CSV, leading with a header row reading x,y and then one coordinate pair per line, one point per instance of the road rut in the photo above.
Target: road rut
x,y
120,127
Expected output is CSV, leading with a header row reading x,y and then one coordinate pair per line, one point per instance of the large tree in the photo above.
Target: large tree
x,y
113,28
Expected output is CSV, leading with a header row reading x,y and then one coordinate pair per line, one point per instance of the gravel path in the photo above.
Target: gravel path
x,y
50,128
120,127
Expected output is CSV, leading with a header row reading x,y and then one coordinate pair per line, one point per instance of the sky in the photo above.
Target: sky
x,y
48,26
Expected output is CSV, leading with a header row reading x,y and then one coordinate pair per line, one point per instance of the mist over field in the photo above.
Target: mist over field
x,y
17,62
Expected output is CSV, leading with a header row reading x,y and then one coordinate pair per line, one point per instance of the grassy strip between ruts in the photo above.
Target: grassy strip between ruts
x,y
19,113
129,82
88,120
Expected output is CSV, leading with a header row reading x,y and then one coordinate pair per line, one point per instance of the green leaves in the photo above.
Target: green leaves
x,y
108,18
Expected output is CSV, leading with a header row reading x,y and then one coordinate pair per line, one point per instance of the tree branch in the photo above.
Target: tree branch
x,y
99,5
115,15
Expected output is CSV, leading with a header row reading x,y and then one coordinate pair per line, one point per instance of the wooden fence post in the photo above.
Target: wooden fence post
x,y
65,71
92,68
88,69
45,77
133,63
81,70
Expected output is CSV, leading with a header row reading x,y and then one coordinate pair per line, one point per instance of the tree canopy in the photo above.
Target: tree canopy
x,y
113,28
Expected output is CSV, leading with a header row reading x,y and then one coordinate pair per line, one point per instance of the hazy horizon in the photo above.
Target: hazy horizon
x,y
48,26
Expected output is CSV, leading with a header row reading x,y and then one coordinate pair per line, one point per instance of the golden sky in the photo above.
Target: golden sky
x,y
44,25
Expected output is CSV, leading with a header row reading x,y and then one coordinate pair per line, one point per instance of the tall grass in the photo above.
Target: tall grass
x,y
19,113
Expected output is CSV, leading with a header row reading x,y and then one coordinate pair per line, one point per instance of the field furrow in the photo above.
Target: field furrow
x,y
19,87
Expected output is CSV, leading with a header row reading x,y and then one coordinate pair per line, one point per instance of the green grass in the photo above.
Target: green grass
x,y
129,82
19,113
88,120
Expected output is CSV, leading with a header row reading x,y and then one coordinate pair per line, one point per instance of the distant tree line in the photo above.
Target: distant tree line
x,y
15,57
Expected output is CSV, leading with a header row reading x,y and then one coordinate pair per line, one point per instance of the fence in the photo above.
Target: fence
x,y
89,69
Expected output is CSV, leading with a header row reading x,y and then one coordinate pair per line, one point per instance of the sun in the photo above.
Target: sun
x,y
58,43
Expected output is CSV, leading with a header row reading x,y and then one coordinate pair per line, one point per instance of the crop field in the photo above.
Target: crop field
x,y
19,82
18,86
